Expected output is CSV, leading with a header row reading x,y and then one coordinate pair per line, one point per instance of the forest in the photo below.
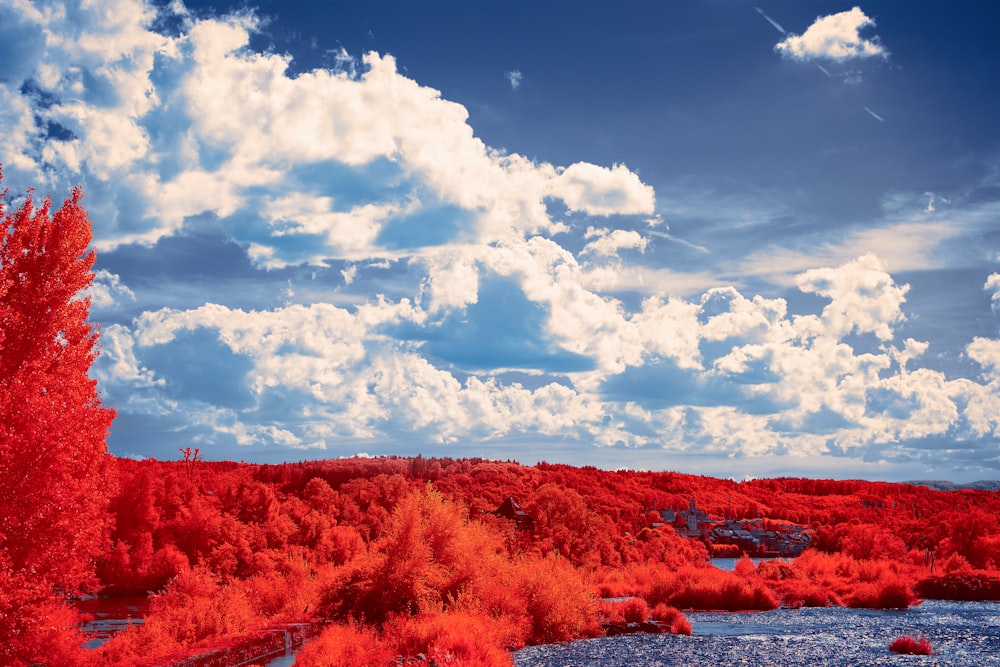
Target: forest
x,y
390,560
396,557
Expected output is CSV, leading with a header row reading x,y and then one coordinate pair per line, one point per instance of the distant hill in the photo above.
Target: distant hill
x,y
942,485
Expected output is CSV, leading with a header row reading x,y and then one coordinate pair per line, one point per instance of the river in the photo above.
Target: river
x,y
110,616
962,634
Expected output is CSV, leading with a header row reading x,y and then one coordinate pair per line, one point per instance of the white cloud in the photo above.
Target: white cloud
x,y
16,117
353,379
358,383
361,163
906,238
583,322
108,290
118,363
742,318
653,281
452,280
986,353
227,422
349,234
601,191
834,37
864,298
608,243
669,329
993,285
514,78
163,128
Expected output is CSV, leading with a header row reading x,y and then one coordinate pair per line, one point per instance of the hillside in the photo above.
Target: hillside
x,y
392,547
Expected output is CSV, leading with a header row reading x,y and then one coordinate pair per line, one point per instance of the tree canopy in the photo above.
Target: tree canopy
x,y
54,465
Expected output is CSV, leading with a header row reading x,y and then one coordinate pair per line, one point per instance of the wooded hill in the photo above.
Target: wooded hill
x,y
406,556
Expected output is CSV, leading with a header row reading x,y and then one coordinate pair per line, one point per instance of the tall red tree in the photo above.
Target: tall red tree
x,y
54,466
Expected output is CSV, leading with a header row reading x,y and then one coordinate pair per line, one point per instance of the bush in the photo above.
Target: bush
x,y
340,645
635,610
454,639
555,600
909,646
967,585
882,594
713,590
798,593
621,612
672,619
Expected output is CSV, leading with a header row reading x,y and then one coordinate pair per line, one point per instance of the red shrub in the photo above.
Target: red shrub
x,y
672,619
555,600
712,589
882,594
968,585
910,646
745,567
354,645
455,639
635,610
802,593
632,610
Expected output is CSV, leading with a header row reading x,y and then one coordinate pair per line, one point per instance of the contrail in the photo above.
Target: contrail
x,y
671,237
777,26
874,115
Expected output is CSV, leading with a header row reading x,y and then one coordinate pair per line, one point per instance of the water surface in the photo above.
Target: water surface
x,y
963,634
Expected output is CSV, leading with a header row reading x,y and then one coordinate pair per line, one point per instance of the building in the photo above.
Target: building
x,y
509,509
748,535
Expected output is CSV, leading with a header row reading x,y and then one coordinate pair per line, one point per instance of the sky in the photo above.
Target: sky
x,y
711,237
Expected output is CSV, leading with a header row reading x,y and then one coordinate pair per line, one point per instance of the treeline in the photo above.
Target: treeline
x,y
405,557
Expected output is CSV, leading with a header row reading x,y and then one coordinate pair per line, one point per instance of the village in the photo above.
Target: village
x,y
724,537
733,537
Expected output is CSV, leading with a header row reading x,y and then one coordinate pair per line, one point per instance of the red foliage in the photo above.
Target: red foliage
x,y
672,619
53,458
629,610
882,594
390,546
909,646
352,644
969,585
456,639
711,589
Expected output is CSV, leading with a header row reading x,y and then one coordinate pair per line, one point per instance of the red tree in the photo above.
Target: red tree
x,y
54,466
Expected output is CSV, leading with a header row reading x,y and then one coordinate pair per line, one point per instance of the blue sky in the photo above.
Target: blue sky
x,y
714,237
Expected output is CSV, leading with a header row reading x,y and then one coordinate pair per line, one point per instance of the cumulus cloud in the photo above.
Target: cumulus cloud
x,y
493,324
863,297
723,373
601,191
349,162
609,242
836,37
345,377
993,285
986,353
108,290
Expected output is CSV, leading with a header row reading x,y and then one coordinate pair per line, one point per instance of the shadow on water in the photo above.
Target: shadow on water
x,y
109,616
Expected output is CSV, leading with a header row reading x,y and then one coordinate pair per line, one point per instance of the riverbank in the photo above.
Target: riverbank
x,y
252,650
